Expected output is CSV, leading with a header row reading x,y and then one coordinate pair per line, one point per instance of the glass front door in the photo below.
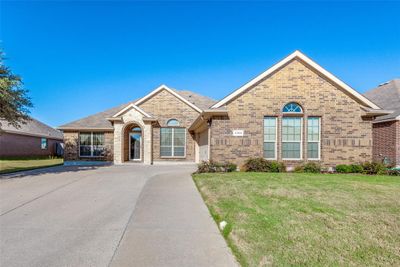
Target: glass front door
x,y
135,139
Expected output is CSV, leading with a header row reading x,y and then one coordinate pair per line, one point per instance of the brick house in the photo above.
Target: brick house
x,y
386,129
32,139
294,112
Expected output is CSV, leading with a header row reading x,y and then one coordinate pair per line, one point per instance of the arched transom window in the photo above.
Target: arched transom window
x,y
292,108
173,140
298,131
173,122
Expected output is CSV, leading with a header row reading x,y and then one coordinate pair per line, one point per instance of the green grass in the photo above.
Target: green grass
x,y
14,165
283,219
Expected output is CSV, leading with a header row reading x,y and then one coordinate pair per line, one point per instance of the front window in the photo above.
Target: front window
x,y
91,144
43,143
173,142
313,137
270,135
291,137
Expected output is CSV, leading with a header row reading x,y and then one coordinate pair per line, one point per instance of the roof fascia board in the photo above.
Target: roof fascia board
x,y
296,54
84,129
387,120
164,87
30,134
122,111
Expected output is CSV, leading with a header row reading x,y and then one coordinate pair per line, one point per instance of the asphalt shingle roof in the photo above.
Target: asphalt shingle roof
x,y
386,96
99,121
32,127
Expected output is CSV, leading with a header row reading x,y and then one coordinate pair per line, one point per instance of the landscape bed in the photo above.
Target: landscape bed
x,y
306,219
21,164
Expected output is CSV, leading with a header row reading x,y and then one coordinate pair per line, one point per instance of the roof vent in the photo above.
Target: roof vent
x,y
384,83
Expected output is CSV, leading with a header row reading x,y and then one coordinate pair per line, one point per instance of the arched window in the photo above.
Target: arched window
x,y
292,108
172,140
173,122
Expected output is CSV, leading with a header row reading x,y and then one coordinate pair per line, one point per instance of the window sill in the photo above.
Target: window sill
x,y
166,157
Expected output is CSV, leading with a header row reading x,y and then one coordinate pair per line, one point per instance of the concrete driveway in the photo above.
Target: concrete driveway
x,y
131,215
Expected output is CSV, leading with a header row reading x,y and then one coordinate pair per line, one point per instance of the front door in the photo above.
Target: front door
x,y
135,140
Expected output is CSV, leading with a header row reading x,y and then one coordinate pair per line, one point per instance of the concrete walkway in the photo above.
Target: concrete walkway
x,y
108,216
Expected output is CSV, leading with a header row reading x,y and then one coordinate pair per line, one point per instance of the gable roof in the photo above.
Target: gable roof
x,y
32,127
173,92
96,121
122,111
387,96
203,102
101,120
310,62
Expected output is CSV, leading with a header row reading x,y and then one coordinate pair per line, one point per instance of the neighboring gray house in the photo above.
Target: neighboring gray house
x,y
32,139
386,129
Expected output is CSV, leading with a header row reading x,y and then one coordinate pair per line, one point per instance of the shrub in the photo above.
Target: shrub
x,y
263,165
309,167
299,168
230,167
256,165
353,168
356,168
374,168
276,166
394,172
312,167
212,166
343,168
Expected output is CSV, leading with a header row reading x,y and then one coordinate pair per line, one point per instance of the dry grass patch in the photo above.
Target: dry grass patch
x,y
280,219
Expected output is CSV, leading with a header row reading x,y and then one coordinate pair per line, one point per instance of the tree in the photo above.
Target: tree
x,y
14,101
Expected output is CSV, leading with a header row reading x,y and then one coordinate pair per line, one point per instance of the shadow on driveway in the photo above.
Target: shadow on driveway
x,y
51,170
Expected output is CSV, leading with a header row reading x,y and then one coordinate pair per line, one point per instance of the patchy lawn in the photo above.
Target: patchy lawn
x,y
285,219
13,165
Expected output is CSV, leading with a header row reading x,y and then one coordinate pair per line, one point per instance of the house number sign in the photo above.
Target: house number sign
x,y
238,132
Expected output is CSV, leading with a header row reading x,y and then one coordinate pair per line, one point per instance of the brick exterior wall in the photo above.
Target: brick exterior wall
x,y
23,145
386,137
345,136
71,146
165,106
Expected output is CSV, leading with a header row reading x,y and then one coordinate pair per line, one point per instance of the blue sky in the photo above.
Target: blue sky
x,y
78,58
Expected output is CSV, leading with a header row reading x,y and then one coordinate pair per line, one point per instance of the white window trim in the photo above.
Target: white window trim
x,y
301,139
319,139
172,145
276,137
47,144
91,146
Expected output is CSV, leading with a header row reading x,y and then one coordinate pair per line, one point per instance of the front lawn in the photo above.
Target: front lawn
x,y
303,219
13,165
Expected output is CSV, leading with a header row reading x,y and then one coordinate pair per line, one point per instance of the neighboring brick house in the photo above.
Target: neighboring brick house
x,y
294,112
386,129
32,139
